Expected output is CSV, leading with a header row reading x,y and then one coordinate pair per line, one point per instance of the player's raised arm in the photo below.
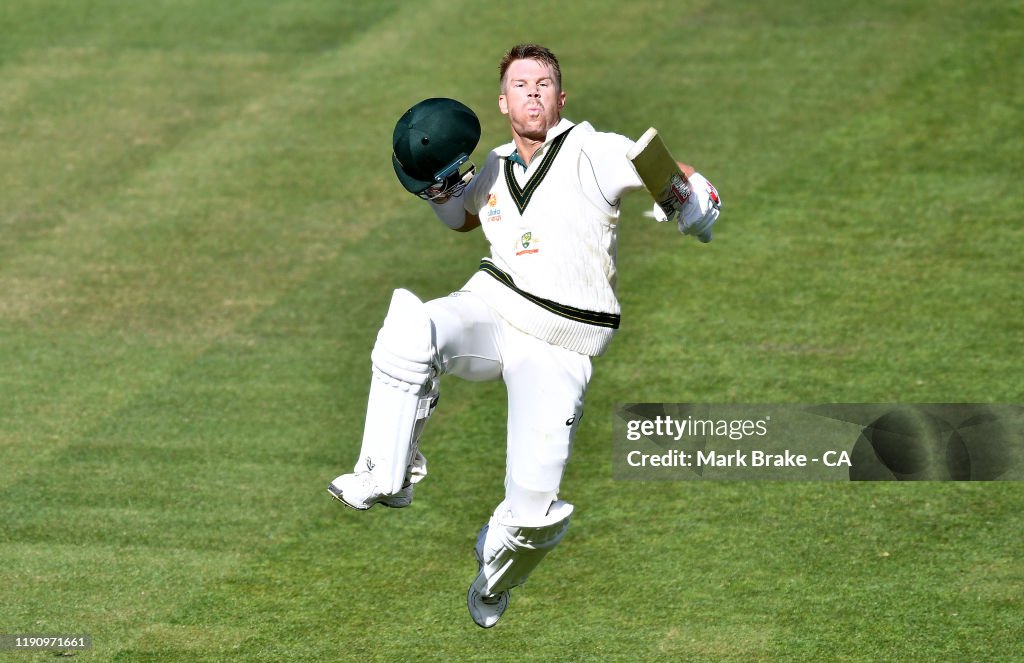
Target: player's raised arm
x,y
432,143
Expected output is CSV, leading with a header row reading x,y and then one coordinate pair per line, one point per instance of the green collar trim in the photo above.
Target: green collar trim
x,y
522,194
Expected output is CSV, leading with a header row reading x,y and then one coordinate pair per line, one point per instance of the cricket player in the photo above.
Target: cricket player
x,y
534,314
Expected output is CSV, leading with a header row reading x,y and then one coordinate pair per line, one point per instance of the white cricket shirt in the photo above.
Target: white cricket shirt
x,y
552,232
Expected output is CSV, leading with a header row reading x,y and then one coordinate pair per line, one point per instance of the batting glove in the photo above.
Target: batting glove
x,y
701,210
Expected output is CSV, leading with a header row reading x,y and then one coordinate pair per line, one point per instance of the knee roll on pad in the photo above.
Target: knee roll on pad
x,y
510,549
404,350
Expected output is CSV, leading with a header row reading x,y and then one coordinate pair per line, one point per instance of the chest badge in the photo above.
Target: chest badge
x,y
527,244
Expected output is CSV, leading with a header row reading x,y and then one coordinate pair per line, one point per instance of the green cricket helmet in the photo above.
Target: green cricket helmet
x,y
432,141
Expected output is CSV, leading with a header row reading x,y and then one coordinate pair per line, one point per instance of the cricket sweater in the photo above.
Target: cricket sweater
x,y
551,272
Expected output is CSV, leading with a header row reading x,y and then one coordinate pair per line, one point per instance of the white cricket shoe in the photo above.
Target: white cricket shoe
x,y
359,491
485,609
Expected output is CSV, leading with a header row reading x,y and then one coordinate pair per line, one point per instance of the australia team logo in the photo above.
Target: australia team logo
x,y
526,244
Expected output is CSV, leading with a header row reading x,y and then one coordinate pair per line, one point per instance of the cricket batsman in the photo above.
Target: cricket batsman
x,y
534,314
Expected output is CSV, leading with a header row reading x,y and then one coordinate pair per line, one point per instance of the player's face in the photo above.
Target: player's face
x,y
531,99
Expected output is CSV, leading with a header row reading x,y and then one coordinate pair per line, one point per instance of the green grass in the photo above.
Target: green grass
x,y
200,229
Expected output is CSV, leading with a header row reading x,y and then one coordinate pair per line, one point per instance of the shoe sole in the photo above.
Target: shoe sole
x,y
338,495
504,599
469,596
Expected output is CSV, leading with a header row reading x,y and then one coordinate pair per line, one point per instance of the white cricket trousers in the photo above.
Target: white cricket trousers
x,y
546,385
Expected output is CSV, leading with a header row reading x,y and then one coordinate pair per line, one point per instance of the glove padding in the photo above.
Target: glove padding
x,y
701,210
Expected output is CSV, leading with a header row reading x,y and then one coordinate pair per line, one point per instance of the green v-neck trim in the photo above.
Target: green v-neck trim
x,y
522,194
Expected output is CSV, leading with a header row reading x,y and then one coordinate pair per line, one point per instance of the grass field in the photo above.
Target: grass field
x,y
200,230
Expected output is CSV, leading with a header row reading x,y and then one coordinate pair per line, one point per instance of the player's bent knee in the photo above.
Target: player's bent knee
x,y
404,349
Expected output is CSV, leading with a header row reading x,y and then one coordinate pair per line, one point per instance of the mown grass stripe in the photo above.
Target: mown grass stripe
x,y
196,454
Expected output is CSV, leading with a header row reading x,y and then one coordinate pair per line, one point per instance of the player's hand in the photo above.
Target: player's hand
x,y
701,211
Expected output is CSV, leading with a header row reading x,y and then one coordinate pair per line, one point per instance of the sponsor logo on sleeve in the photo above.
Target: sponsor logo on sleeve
x,y
493,211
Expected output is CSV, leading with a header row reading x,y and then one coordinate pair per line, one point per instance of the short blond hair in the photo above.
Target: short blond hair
x,y
530,52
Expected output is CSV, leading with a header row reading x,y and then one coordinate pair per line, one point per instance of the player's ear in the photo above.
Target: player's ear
x,y
561,99
503,104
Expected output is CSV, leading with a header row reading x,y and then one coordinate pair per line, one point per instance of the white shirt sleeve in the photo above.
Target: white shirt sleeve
x,y
605,172
476,193
452,213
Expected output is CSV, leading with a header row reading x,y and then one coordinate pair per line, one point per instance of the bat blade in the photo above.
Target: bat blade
x,y
661,175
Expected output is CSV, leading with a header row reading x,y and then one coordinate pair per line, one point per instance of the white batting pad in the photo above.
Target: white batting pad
x,y
401,394
511,549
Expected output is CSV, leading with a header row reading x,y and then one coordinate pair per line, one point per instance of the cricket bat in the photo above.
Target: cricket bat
x,y
661,175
